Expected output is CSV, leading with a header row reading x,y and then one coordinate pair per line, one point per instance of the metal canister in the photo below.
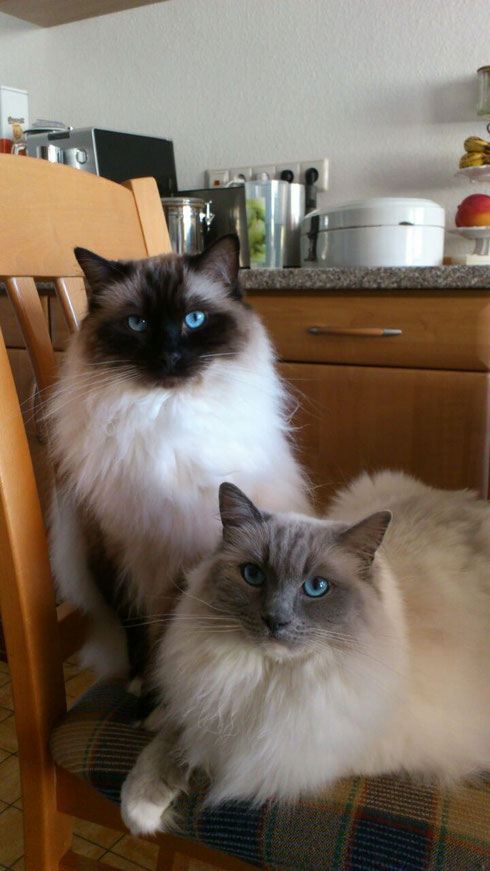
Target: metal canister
x,y
266,202
187,221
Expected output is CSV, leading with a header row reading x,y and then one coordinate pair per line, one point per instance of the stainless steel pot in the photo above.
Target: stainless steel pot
x,y
230,216
187,220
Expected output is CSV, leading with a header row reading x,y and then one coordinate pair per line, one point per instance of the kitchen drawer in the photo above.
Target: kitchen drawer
x,y
439,329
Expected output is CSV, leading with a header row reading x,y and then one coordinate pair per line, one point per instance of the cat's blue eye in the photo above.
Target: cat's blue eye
x,y
194,320
138,324
316,587
252,574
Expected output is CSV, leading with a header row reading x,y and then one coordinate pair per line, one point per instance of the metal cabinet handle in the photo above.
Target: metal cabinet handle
x,y
353,331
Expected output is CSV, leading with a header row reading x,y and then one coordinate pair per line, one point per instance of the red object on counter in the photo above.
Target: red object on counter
x,y
474,211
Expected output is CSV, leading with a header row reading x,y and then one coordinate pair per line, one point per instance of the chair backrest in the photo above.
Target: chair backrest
x,y
27,602
45,211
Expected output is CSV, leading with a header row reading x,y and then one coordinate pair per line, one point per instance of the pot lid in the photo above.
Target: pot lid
x,y
178,202
376,212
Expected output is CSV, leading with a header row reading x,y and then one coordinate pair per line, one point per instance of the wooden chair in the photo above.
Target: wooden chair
x,y
46,210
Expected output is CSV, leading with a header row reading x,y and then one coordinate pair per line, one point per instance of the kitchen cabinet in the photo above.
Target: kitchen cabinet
x,y
433,424
50,13
418,400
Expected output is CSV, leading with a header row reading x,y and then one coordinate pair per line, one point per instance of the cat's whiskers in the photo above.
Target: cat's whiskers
x,y
50,413
94,379
98,373
210,620
218,354
205,618
346,637
52,405
89,377
355,646
118,360
196,598
44,395
59,401
222,630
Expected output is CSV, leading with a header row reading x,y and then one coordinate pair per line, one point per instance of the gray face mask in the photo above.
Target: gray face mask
x,y
291,581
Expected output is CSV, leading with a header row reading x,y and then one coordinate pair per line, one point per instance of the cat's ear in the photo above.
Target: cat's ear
x,y
220,262
235,508
364,538
98,271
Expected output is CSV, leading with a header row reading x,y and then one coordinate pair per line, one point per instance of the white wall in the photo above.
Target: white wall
x,y
385,88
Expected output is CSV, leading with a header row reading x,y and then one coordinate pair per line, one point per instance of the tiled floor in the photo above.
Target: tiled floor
x,y
120,851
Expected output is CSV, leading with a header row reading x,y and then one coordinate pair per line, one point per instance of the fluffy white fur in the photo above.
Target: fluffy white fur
x,y
148,463
411,695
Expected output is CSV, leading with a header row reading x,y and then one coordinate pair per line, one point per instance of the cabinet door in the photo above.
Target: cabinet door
x,y
433,424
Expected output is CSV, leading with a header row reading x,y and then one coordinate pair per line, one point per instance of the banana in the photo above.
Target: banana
x,y
474,159
474,143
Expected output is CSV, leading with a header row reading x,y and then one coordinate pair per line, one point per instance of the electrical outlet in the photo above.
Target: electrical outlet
x,y
268,168
243,173
321,166
216,178
220,177
292,165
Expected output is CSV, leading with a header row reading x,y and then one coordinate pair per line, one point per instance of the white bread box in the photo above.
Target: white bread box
x,y
382,231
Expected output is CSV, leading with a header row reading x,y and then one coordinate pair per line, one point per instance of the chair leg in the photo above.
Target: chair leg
x,y
180,862
48,833
167,858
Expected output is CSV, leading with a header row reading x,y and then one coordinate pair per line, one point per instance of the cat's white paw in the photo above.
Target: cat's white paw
x,y
143,804
142,817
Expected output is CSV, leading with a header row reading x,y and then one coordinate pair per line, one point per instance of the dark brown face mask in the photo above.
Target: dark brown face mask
x,y
165,318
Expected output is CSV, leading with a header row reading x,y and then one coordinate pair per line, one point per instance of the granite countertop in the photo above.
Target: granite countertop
x,y
355,278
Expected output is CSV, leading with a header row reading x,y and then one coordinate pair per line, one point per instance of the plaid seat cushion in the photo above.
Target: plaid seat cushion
x,y
362,824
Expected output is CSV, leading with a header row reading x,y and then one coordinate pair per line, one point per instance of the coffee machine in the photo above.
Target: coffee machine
x,y
109,153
